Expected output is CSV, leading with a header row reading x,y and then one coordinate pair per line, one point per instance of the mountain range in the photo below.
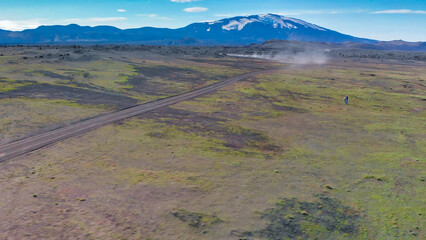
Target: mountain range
x,y
246,30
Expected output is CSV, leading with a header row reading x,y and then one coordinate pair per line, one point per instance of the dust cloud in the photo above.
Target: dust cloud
x,y
304,57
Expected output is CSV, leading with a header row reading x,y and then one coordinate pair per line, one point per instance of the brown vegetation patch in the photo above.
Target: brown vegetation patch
x,y
153,80
196,219
288,109
79,95
52,75
235,137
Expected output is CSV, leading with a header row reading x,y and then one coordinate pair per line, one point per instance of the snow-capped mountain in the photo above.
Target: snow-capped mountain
x,y
263,27
267,19
230,31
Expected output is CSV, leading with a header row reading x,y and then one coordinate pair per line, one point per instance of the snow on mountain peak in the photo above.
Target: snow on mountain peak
x,y
268,19
240,24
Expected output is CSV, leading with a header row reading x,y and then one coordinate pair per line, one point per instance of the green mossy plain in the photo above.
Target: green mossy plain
x,y
100,75
360,163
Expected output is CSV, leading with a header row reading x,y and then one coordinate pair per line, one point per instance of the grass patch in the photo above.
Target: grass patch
x,y
196,219
325,218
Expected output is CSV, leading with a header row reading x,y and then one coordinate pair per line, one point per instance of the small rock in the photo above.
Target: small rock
x,y
35,195
303,212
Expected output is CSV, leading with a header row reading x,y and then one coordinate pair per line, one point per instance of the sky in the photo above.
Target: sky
x,y
375,19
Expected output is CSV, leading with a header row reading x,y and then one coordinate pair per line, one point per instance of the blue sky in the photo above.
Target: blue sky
x,y
376,19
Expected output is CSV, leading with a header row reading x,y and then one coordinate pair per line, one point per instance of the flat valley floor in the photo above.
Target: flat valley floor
x,y
277,156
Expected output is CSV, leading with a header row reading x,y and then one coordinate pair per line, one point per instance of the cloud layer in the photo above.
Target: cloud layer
x,y
195,9
400,11
153,15
18,25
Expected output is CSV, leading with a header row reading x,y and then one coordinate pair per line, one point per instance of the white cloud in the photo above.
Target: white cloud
x,y
121,10
147,15
195,9
106,19
400,11
184,1
155,16
18,25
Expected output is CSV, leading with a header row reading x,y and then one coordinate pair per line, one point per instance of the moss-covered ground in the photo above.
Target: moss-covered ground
x,y
277,156
79,85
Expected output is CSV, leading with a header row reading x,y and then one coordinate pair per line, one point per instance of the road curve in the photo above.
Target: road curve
x,y
14,149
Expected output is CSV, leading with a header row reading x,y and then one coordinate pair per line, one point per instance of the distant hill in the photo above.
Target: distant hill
x,y
247,30
378,45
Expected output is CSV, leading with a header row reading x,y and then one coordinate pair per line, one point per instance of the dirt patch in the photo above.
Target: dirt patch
x,y
273,102
240,137
294,95
84,211
234,137
79,72
78,95
53,75
69,78
184,119
157,134
288,109
153,80
196,219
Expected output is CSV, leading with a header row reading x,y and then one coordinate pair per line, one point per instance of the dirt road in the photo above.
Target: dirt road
x,y
13,149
